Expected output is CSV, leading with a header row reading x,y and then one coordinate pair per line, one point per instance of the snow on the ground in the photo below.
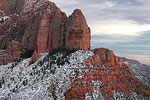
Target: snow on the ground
x,y
2,51
47,80
3,19
141,72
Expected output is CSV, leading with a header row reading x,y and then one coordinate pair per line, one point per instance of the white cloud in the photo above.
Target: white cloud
x,y
65,2
109,39
135,45
144,1
121,27
85,5
102,5
139,52
110,3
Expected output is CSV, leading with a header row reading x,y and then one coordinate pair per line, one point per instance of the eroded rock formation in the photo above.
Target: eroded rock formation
x,y
107,73
41,26
77,32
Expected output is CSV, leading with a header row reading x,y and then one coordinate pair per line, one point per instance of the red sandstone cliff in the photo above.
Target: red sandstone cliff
x,y
77,32
39,25
109,75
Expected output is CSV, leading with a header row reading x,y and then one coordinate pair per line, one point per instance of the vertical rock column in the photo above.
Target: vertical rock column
x,y
43,35
77,32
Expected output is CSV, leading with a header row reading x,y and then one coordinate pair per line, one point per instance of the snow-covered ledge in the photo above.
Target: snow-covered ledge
x,y
3,19
2,51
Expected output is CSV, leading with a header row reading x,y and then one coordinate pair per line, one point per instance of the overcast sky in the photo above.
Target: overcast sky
x,y
120,25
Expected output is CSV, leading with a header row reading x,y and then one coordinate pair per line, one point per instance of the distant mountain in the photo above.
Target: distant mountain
x,y
45,55
141,71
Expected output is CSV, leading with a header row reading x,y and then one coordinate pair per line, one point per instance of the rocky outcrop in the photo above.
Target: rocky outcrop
x,y
106,74
41,26
105,57
77,32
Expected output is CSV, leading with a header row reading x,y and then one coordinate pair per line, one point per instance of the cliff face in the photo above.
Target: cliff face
x,y
106,77
106,57
39,25
10,7
77,32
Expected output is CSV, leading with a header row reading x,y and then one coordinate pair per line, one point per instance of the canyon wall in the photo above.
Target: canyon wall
x,y
40,26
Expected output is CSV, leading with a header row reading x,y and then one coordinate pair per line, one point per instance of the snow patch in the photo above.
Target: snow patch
x,y
3,19
2,52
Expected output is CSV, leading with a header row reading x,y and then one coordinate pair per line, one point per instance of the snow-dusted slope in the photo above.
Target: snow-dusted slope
x,y
141,71
19,81
65,75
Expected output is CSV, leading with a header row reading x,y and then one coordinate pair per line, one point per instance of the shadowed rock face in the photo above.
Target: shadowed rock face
x,y
12,53
10,7
41,26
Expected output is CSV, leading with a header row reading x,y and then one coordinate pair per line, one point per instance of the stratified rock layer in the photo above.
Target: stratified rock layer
x,y
106,74
41,26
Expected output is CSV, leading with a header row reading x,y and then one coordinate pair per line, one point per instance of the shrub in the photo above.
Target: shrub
x,y
25,82
27,54
52,59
